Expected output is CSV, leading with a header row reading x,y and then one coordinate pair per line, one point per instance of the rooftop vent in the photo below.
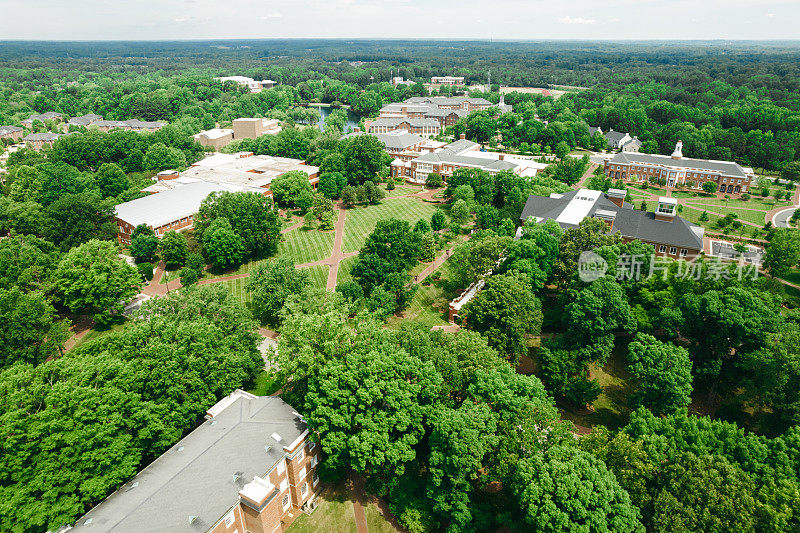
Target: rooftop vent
x,y
276,437
192,519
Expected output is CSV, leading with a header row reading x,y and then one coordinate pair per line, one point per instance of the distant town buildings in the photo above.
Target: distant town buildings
x,y
669,234
444,159
676,170
243,128
448,80
398,80
255,86
84,120
617,140
396,142
446,111
250,467
128,125
175,197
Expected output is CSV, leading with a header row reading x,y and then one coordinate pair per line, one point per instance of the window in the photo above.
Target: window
x,y
311,446
684,251
284,484
304,489
315,479
300,456
285,501
230,519
281,467
302,473
672,250
662,249
313,461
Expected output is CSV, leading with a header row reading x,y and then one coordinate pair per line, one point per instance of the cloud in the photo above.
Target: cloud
x,y
268,16
575,20
770,15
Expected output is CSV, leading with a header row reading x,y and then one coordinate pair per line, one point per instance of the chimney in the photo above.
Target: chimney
x,y
463,136
502,156
606,216
617,196
356,130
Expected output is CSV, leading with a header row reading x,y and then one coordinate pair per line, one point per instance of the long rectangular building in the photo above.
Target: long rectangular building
x,y
669,234
250,467
676,170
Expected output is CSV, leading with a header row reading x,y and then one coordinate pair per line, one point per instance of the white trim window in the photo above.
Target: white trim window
x,y
281,467
300,456
311,446
229,519
313,461
672,250
304,489
315,479
284,484
662,249
302,473
286,501
684,252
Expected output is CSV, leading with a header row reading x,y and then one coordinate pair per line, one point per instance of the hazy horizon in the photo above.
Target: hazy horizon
x,y
506,20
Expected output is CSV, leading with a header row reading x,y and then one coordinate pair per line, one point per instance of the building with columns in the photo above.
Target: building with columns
x,y
679,171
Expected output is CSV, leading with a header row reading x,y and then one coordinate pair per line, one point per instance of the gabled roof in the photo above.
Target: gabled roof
x,y
85,120
615,136
728,168
572,207
5,130
202,475
46,136
393,122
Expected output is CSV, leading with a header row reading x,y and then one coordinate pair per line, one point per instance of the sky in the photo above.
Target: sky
x,y
421,19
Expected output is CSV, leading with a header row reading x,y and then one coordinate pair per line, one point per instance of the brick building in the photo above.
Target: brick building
x,y
128,125
396,142
426,127
84,120
250,467
216,138
679,171
37,141
669,234
445,110
11,132
445,159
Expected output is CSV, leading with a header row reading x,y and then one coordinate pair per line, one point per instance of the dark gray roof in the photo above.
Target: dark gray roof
x,y
593,129
615,136
445,156
390,140
628,222
203,473
727,168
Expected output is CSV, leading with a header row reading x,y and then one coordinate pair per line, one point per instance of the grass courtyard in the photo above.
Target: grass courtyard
x,y
361,221
334,513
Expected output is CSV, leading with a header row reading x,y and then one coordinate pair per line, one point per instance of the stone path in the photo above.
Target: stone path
x,y
586,175
359,499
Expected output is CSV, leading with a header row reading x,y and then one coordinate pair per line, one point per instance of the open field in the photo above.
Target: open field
x,y
430,303
334,514
318,273
362,220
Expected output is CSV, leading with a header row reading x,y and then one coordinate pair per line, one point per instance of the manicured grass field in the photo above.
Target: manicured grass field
x,y
306,246
430,304
318,274
344,269
401,190
334,512
362,220
753,203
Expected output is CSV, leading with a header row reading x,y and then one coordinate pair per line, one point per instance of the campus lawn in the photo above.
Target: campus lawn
x,y
98,331
265,383
318,274
430,304
761,204
334,512
793,276
300,245
344,269
400,190
361,221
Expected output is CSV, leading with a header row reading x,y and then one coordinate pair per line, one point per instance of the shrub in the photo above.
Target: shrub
x,y
146,270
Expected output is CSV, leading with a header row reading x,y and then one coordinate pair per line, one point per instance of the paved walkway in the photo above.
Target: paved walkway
x,y
586,175
359,499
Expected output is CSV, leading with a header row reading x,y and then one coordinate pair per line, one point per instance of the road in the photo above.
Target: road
x,y
781,218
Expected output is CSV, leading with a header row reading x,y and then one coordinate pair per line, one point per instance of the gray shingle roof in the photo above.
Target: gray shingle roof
x,y
196,476
391,140
629,223
5,130
46,136
85,120
727,168
615,136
